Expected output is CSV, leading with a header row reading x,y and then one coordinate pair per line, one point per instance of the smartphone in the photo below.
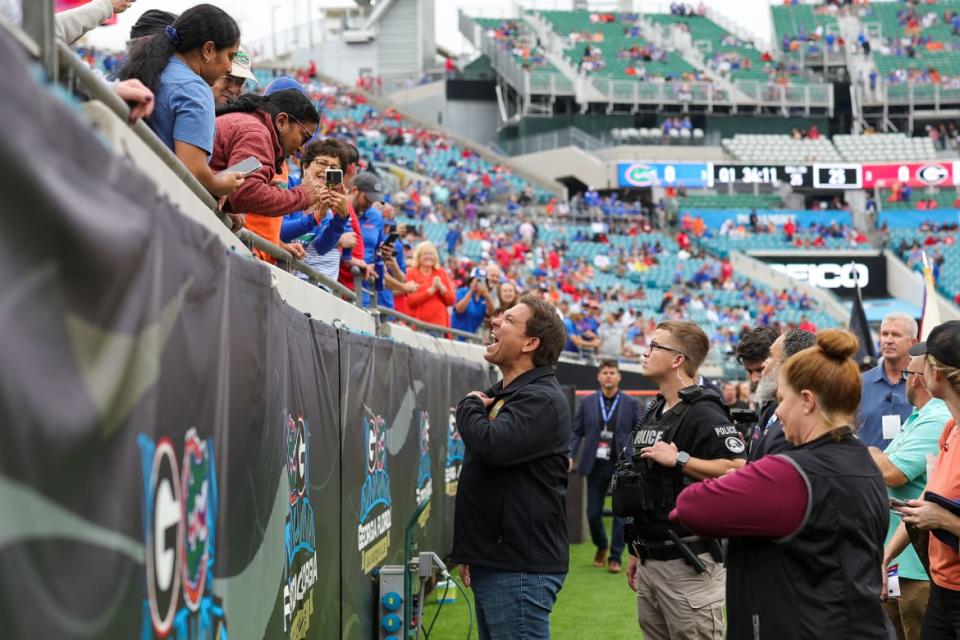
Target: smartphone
x,y
245,167
333,177
897,503
391,239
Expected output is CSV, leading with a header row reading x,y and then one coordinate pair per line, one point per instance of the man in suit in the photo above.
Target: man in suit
x,y
603,424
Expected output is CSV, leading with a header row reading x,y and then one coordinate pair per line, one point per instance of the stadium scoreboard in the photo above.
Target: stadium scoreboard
x,y
819,176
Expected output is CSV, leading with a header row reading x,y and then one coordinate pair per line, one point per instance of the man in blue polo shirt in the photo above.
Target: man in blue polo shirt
x,y
883,401
474,303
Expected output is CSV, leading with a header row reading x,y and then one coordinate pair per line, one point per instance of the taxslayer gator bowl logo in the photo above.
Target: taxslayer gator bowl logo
x,y
451,466
640,175
179,521
373,532
424,479
299,534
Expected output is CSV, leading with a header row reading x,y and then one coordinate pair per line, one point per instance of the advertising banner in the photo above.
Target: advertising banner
x,y
184,455
835,271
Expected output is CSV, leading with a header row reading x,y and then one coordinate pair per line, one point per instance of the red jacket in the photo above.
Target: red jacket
x,y
241,135
426,306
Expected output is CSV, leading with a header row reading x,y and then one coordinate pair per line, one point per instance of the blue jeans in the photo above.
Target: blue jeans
x,y
598,481
514,605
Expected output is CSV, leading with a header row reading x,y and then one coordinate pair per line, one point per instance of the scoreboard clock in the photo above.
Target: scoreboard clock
x,y
773,174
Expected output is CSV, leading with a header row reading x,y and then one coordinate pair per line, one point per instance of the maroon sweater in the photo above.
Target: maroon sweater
x,y
241,135
765,499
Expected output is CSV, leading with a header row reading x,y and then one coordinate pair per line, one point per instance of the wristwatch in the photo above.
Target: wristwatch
x,y
682,459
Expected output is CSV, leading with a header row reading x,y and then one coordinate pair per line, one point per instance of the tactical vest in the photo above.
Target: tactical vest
x,y
644,490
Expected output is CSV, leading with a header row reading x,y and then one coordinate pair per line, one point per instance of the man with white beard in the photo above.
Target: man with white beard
x,y
767,437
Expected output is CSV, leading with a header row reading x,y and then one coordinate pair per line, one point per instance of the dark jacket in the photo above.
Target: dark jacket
x,y
772,439
511,502
821,581
588,423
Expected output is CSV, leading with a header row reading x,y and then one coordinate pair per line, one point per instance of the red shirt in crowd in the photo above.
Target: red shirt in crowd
x,y
346,278
430,307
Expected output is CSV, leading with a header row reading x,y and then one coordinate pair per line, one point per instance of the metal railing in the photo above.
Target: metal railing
x,y
429,327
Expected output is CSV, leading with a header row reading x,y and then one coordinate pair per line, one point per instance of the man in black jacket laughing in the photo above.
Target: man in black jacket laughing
x,y
510,535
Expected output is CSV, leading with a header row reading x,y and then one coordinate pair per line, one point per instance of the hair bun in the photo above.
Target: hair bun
x,y
838,344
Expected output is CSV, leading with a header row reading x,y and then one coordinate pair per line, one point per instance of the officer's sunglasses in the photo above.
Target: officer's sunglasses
x,y
656,345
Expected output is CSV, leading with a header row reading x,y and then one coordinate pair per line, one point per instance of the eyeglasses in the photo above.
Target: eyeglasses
x,y
305,134
656,345
906,373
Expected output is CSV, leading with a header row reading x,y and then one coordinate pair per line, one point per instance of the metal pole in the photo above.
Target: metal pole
x,y
273,28
38,23
310,23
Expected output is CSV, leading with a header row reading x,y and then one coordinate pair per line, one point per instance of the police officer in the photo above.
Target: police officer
x,y
684,436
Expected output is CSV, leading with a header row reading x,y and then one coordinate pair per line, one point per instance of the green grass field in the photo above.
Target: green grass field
x,y
593,603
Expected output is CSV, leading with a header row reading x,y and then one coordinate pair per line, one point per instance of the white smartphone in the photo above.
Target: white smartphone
x,y
245,167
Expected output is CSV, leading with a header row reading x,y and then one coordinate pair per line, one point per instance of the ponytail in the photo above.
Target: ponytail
x,y
289,101
149,56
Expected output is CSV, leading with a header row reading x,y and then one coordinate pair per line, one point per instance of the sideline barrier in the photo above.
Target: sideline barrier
x,y
184,453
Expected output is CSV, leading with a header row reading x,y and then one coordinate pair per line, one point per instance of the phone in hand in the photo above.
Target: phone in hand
x,y
244,167
897,503
333,177
391,239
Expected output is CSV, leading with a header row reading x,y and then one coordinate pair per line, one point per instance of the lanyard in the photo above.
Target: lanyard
x,y
603,409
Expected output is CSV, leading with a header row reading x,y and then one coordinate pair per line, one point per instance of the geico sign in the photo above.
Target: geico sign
x,y
827,275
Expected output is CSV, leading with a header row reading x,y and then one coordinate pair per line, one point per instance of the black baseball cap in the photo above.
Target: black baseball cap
x,y
943,343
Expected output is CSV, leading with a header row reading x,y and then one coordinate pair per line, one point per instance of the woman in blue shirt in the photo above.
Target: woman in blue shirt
x,y
180,65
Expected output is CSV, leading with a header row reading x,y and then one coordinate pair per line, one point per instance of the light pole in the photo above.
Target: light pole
x,y
273,28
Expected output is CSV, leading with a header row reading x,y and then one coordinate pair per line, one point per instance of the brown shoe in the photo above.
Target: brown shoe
x,y
600,557
614,566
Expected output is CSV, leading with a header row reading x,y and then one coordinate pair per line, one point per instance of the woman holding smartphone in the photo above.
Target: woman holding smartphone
x,y
180,64
941,375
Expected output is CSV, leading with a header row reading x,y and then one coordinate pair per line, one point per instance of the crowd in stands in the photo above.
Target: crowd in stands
x,y
512,37
318,194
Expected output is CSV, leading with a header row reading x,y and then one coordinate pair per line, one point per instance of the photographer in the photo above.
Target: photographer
x,y
474,303
684,436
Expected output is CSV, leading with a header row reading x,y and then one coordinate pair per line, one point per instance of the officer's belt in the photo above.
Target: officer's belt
x,y
669,551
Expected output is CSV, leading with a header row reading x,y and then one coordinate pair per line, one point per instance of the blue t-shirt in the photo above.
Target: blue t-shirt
x,y
472,317
185,109
571,328
371,228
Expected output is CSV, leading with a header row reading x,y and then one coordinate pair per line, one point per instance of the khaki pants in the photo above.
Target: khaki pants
x,y
674,602
906,612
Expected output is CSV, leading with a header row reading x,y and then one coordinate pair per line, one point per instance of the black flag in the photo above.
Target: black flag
x,y
860,328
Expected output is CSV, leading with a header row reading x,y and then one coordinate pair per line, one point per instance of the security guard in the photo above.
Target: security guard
x,y
685,436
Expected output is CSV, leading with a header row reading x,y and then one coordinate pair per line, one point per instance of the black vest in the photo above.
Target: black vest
x,y
658,487
823,582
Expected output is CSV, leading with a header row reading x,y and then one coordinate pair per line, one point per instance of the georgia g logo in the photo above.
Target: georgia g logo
x,y
163,539
376,444
296,459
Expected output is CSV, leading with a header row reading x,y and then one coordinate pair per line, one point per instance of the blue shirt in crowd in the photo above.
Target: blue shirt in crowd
x,y
184,108
880,398
472,317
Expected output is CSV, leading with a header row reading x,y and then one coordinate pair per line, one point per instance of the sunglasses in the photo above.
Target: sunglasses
x,y
906,373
